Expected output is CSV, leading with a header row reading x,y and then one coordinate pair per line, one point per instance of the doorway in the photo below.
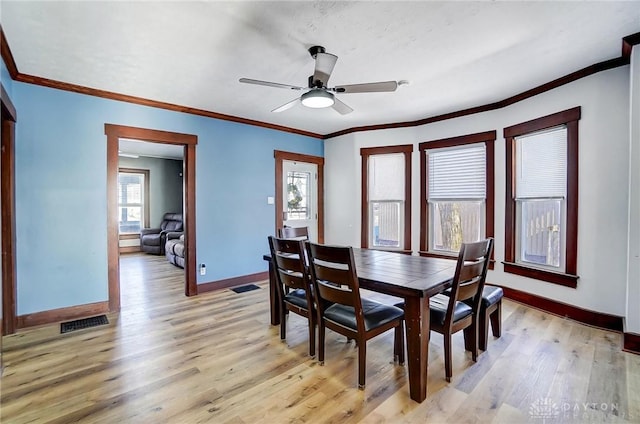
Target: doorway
x,y
188,142
300,193
300,196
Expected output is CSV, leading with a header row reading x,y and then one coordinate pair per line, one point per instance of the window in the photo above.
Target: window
x,y
457,186
133,189
298,195
386,197
541,204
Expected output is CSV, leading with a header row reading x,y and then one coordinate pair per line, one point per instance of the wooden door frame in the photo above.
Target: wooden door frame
x,y
7,193
189,142
281,156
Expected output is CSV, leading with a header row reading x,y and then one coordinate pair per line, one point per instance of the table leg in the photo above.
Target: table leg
x,y
417,322
274,297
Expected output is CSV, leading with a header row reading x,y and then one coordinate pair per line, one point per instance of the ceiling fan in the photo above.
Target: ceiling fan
x,y
318,94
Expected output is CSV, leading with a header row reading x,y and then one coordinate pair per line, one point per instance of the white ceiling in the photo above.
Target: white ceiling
x,y
456,55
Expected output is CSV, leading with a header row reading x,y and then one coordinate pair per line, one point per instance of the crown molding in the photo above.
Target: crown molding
x,y
589,70
7,56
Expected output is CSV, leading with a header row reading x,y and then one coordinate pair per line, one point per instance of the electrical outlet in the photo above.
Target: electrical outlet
x,y
203,269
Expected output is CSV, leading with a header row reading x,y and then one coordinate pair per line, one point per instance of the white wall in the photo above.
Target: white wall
x,y
603,184
633,275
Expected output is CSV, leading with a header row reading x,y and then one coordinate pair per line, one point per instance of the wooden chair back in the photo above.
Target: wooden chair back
x,y
470,275
288,260
333,273
298,233
340,307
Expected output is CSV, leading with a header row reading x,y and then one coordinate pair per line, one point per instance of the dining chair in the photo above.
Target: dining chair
x,y
294,285
490,313
458,309
341,308
298,233
450,314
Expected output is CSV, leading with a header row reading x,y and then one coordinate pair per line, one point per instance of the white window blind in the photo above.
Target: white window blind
x,y
458,173
386,177
542,164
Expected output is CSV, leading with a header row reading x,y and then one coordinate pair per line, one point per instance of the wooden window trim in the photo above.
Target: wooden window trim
x,y
488,138
365,153
146,211
569,278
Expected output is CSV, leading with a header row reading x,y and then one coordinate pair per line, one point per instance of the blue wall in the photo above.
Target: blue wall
x,y
61,207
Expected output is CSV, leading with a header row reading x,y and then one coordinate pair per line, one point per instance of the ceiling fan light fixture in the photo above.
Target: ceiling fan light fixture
x,y
317,99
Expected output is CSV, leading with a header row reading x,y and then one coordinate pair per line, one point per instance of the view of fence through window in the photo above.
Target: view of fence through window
x,y
386,217
130,195
541,231
298,195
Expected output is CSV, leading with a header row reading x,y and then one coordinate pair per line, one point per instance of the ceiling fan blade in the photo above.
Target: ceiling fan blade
x,y
287,105
341,107
371,87
269,84
324,66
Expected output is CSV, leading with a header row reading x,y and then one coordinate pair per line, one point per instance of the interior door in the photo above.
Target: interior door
x,y
300,196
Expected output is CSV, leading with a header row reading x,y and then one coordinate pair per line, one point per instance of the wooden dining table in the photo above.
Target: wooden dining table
x,y
412,278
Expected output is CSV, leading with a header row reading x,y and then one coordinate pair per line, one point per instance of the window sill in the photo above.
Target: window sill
x,y
452,256
567,280
403,251
438,255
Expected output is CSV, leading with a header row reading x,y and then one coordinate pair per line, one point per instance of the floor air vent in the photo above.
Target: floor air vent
x,y
246,288
79,324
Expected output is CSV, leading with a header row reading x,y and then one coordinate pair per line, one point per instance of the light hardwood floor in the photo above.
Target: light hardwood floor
x,y
167,358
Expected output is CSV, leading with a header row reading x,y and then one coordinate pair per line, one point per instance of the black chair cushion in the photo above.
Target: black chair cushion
x,y
438,308
491,295
375,314
297,297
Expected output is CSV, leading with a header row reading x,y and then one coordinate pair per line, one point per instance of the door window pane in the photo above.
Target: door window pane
x,y
298,195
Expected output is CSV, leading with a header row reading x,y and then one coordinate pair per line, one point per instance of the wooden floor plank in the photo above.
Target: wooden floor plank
x,y
168,358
